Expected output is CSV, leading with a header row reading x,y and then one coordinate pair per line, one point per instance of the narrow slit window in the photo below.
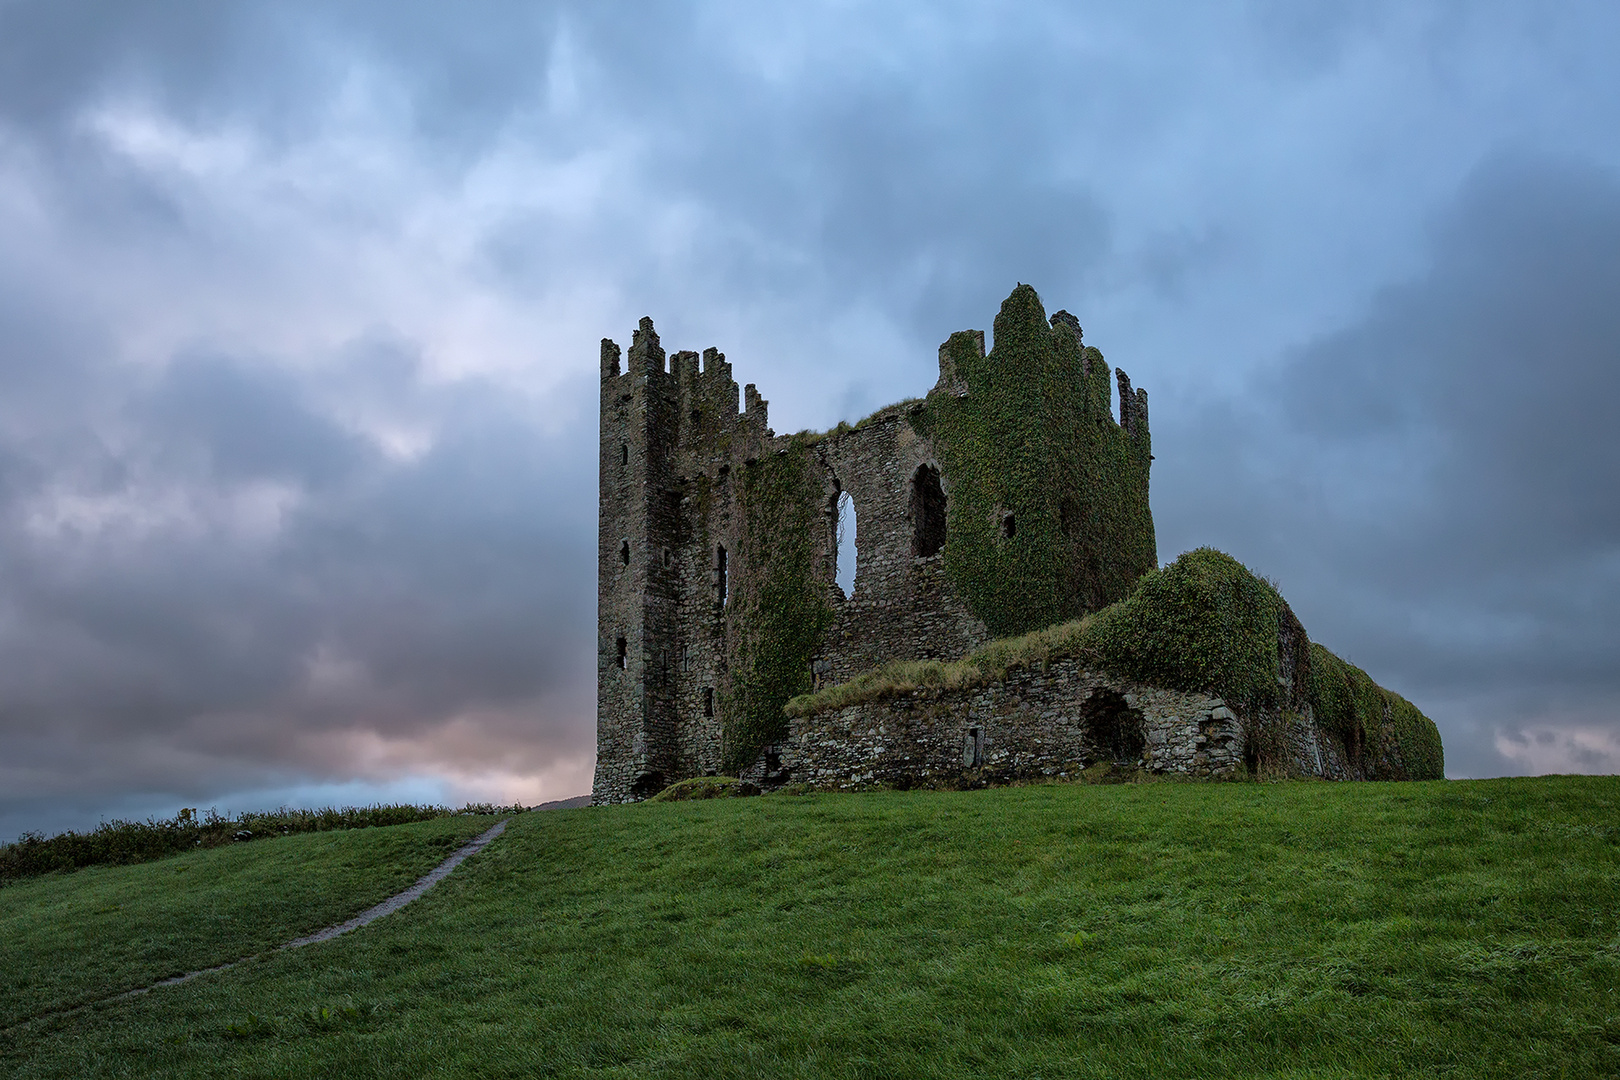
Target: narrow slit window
x,y
624,654
1009,526
624,552
847,568
708,701
624,454
722,588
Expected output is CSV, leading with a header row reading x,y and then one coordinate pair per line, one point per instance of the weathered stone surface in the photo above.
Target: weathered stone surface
x,y
1036,723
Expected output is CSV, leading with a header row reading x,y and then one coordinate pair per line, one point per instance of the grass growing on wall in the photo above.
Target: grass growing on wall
x,y
776,614
1033,439
1462,929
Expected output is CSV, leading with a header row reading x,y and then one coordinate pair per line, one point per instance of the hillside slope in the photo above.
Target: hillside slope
x,y
1295,929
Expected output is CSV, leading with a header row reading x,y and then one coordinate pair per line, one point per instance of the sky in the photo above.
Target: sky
x,y
300,307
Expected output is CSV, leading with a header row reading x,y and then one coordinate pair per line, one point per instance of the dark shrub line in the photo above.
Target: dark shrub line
x,y
120,842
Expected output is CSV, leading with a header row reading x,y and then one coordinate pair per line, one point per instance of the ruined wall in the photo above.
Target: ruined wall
x,y
904,605
1037,723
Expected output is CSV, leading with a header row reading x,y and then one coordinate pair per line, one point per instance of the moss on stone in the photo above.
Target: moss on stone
x,y
776,614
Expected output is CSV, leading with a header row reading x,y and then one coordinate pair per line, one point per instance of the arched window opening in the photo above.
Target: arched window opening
x,y
1114,728
927,512
722,587
846,569
1009,526
624,653
624,552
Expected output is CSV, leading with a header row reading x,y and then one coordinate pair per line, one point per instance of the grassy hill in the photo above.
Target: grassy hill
x,y
1295,929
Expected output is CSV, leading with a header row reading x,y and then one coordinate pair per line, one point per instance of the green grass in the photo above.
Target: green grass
x,y
120,842
1287,930
70,938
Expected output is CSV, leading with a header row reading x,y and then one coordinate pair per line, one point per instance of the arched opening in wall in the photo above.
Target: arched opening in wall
x,y
927,512
1114,728
846,569
722,584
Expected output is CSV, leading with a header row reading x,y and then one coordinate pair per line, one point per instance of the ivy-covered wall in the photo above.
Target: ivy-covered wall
x,y
1048,514
777,611
1203,624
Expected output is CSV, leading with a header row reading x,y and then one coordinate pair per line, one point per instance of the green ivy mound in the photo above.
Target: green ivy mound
x,y
1205,623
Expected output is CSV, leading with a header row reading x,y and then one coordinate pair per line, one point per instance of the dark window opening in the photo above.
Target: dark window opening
x,y
686,658
973,748
1114,728
697,417
722,587
725,471
927,512
708,701
624,654
624,454
666,556
1009,526
624,552
647,784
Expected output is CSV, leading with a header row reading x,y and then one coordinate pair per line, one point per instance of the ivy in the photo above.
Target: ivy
x,y
1048,512
776,614
1366,718
1202,623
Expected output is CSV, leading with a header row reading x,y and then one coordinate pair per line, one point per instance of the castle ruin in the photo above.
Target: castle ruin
x,y
1010,498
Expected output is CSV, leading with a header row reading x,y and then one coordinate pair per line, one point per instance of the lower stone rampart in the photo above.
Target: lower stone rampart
x,y
1041,722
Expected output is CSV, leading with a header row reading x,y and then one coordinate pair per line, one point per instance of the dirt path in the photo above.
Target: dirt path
x,y
372,914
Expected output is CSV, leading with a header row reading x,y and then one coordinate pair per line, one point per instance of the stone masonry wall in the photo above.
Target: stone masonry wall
x,y
1034,724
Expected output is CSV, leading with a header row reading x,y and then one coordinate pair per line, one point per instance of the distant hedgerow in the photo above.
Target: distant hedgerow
x,y
120,842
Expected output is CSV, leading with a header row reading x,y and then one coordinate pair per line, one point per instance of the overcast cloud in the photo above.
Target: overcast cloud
x,y
299,304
